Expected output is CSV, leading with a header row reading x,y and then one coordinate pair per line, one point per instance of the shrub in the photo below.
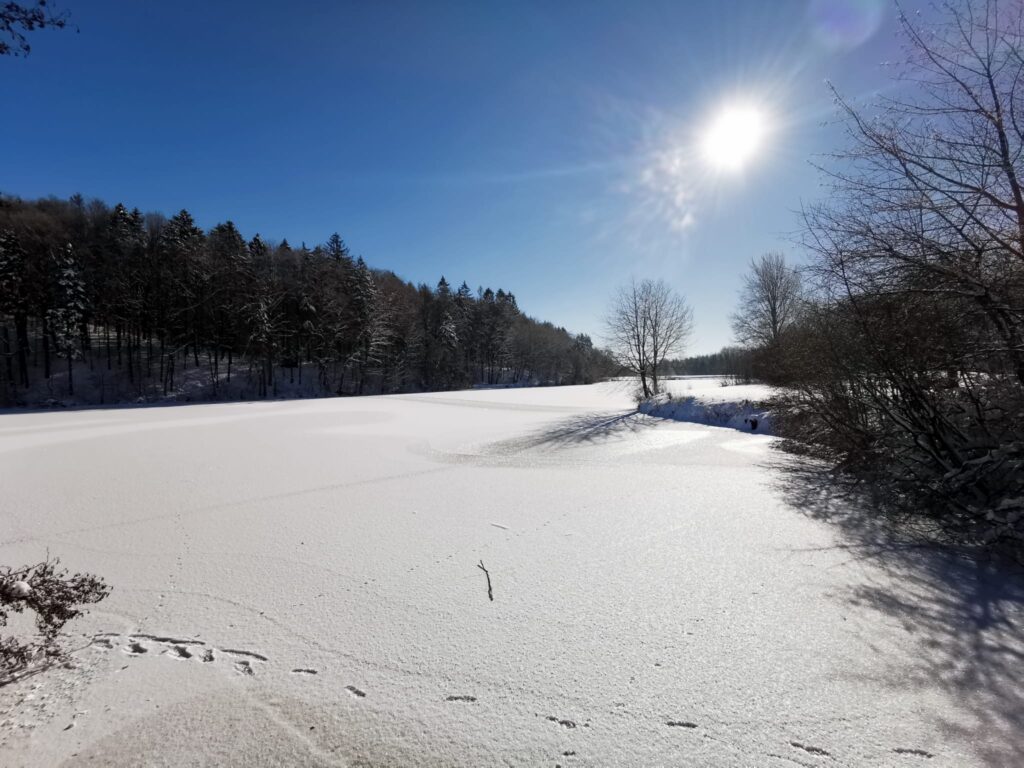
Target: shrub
x,y
55,597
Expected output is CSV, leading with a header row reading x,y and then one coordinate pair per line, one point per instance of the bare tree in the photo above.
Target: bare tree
x,y
929,198
627,332
18,18
647,322
670,321
915,356
769,302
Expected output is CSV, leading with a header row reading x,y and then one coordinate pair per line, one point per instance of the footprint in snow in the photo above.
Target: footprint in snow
x,y
165,640
182,650
681,724
460,698
304,671
816,751
246,654
355,691
914,752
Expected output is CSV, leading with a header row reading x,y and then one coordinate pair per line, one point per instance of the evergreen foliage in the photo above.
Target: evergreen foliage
x,y
142,307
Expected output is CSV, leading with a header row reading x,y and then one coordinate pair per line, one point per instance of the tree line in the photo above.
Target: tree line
x,y
108,304
733,362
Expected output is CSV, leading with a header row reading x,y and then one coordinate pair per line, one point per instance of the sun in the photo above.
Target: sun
x,y
734,137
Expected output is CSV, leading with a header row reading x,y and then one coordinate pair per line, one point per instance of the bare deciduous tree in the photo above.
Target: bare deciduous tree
x,y
914,362
769,302
647,322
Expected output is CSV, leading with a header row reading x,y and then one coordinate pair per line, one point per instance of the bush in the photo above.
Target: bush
x,y
55,597
905,364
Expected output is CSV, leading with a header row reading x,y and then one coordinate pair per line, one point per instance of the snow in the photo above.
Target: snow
x,y
716,389
298,583
744,414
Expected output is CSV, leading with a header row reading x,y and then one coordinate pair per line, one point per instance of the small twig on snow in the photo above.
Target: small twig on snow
x,y
490,594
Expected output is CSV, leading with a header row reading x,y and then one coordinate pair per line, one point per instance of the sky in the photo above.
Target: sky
x,y
553,149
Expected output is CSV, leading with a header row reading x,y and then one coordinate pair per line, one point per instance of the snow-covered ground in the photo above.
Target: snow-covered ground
x,y
296,583
715,389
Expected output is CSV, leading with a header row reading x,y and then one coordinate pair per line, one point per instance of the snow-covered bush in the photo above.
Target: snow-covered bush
x,y
744,415
905,362
950,457
55,597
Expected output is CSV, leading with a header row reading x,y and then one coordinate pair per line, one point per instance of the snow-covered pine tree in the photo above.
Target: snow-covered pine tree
x,y
67,307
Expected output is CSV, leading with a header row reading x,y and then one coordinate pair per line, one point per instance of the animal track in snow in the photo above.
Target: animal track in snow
x,y
244,662
681,724
137,644
460,698
355,691
563,723
166,640
247,654
816,751
914,752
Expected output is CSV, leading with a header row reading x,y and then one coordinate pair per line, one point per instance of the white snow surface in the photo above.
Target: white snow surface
x,y
296,583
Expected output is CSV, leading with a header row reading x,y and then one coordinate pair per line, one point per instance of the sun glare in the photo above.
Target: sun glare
x,y
734,137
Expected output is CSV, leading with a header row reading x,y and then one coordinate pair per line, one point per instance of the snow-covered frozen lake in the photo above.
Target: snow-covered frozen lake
x,y
297,583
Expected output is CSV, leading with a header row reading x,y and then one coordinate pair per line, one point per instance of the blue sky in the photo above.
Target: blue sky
x,y
543,147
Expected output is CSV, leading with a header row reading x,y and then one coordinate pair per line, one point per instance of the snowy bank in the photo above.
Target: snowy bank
x,y
745,415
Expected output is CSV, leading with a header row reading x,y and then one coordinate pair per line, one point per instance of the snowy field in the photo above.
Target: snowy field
x,y
296,583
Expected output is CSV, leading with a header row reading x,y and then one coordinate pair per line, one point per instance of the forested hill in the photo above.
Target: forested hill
x,y
103,305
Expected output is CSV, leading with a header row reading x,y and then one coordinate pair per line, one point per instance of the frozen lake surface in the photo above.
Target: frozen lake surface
x,y
297,583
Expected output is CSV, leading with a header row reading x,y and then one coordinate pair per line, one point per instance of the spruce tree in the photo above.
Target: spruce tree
x,y
67,308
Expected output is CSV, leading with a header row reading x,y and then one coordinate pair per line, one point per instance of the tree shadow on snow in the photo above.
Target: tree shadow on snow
x,y
587,429
962,609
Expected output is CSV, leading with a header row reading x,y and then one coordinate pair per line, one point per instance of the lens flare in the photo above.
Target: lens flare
x,y
842,25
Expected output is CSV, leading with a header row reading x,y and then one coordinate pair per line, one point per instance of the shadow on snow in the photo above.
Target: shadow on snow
x,y
962,609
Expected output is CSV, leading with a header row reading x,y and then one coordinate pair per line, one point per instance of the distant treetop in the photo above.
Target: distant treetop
x,y
17,19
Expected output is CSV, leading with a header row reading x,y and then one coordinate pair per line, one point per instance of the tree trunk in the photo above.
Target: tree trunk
x,y
131,368
21,335
46,348
5,350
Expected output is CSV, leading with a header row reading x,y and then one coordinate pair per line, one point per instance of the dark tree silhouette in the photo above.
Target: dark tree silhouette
x,y
18,19
141,307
